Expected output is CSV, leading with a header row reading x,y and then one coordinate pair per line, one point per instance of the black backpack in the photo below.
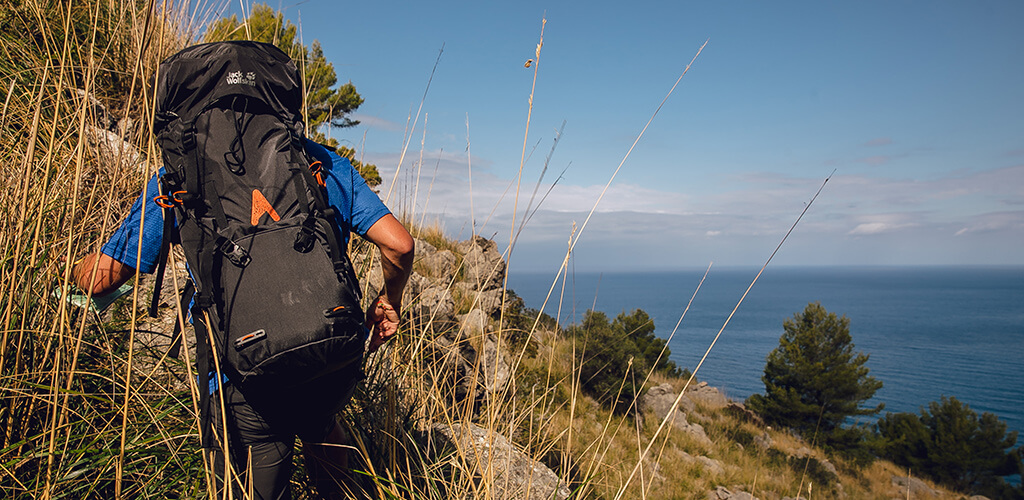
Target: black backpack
x,y
261,242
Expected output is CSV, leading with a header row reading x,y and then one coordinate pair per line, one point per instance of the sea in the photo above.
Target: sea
x,y
929,331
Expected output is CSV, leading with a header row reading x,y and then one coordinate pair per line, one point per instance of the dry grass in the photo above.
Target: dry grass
x,y
89,410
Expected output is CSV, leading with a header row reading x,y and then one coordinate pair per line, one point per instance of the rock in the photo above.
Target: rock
x,y
708,395
831,469
764,441
514,474
915,486
112,150
712,466
660,400
741,412
427,302
826,467
106,136
483,265
440,265
450,368
723,493
493,364
489,301
472,325
696,431
469,358
435,305
423,249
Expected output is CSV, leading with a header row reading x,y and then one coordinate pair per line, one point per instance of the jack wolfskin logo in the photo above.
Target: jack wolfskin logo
x,y
261,206
237,78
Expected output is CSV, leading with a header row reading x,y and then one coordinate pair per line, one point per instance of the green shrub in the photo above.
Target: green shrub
x,y
949,443
617,356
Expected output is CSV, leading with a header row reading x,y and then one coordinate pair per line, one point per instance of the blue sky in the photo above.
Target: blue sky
x,y
917,106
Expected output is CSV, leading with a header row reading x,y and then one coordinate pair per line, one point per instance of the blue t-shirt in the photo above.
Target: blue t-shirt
x,y
347,192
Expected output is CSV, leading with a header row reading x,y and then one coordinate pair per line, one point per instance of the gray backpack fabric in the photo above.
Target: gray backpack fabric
x,y
260,240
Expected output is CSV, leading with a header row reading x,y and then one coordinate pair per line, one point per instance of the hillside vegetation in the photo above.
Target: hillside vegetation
x,y
480,397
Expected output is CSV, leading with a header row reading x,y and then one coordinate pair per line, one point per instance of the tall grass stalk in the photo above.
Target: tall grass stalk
x,y
91,406
675,405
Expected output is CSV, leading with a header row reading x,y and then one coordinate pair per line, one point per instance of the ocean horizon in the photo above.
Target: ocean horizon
x,y
930,331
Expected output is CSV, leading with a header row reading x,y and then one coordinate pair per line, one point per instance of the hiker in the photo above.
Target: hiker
x,y
263,409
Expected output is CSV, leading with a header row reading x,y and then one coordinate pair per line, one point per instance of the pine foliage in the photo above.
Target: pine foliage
x,y
814,380
615,356
952,445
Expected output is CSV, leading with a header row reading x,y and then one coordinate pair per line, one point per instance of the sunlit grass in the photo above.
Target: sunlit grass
x,y
92,407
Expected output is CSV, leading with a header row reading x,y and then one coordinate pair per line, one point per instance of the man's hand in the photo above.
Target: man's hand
x,y
383,319
109,274
397,249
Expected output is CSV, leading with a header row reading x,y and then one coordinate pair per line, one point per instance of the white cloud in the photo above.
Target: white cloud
x,y
859,218
876,228
1000,221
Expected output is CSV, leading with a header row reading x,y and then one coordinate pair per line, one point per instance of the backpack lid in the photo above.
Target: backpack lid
x,y
200,75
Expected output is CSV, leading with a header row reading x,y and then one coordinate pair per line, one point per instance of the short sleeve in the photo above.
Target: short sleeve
x,y
123,245
347,191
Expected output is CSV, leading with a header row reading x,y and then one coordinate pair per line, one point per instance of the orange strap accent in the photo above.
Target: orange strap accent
x,y
261,206
318,173
163,201
166,201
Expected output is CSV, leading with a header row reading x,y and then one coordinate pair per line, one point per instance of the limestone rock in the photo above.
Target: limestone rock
x,y
740,411
472,324
495,368
708,395
451,368
916,486
515,476
427,302
483,265
764,441
660,400
423,249
112,149
712,466
489,301
723,493
439,264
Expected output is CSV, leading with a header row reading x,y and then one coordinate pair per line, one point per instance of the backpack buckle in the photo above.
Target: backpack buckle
x,y
236,254
304,240
188,139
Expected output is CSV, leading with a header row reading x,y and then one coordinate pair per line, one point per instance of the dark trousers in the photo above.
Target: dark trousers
x,y
262,426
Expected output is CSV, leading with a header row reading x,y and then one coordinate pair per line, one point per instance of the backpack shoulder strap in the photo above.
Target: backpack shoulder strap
x,y
339,258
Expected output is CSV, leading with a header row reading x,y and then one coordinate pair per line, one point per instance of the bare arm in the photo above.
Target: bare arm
x,y
396,251
110,274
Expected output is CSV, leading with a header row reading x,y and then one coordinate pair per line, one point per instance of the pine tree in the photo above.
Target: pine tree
x,y
814,381
949,443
